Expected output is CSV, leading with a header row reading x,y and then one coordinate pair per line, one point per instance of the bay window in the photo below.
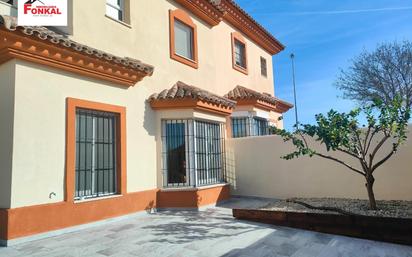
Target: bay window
x,y
193,153
249,126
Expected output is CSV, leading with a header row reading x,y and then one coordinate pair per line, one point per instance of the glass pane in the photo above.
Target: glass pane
x,y
115,3
114,13
95,154
240,59
176,155
183,40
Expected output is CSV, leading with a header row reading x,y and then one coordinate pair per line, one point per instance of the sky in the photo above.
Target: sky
x,y
325,35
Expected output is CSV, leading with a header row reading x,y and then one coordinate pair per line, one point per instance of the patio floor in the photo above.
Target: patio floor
x,y
209,232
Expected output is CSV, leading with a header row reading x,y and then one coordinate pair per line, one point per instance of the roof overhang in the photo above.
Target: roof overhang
x,y
278,107
184,96
189,103
41,46
205,10
214,11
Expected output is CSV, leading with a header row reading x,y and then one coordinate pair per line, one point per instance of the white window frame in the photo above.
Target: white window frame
x,y
119,8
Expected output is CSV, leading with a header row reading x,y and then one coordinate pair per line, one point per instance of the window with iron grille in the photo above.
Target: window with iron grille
x,y
263,67
95,154
115,9
249,126
193,153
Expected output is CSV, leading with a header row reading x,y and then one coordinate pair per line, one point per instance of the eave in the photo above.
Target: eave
x,y
279,107
16,45
204,10
189,103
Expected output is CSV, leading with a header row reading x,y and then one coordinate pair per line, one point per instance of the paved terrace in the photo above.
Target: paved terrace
x,y
210,232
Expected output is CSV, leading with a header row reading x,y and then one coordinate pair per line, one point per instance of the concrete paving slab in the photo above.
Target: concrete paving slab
x,y
211,231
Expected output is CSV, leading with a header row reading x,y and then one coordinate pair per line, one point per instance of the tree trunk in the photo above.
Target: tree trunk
x,y
369,186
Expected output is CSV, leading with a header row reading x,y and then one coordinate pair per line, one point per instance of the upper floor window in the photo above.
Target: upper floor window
x,y
183,38
239,53
115,9
8,1
263,67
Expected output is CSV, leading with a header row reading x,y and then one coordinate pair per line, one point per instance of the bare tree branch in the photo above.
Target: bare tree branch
x,y
341,162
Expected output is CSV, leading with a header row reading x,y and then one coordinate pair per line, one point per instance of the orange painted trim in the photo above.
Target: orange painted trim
x,y
15,45
239,19
193,198
190,103
236,36
204,10
183,17
279,107
229,11
31,220
72,105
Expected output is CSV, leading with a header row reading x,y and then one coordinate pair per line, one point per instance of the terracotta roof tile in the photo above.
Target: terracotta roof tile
x,y
240,92
43,33
183,91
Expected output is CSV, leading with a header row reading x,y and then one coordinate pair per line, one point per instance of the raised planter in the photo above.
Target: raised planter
x,y
394,230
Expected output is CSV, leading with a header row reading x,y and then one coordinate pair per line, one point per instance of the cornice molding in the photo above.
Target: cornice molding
x,y
16,45
236,16
191,104
214,11
278,107
206,11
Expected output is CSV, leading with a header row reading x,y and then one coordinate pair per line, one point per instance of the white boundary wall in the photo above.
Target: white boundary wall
x,y
256,169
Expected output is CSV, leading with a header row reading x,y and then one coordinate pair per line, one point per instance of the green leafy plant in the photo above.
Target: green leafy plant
x,y
341,132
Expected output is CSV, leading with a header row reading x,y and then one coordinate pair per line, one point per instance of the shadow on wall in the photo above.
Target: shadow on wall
x,y
230,172
149,121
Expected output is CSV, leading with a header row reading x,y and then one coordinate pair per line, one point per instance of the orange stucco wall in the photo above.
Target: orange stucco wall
x,y
31,220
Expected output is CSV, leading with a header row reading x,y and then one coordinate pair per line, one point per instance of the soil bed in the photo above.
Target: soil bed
x,y
391,223
394,209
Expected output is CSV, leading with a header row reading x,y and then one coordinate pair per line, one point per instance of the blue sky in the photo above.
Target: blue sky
x,y
325,35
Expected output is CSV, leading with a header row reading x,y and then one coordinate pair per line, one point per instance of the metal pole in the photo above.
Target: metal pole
x,y
292,56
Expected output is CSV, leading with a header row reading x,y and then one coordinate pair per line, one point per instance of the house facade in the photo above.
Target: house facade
x,y
127,109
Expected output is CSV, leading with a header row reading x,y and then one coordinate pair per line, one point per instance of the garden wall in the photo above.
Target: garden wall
x,y
256,169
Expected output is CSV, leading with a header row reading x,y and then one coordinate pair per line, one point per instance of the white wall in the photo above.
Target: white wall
x,y
255,168
7,74
147,39
40,131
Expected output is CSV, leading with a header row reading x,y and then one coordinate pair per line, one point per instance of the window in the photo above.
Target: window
x,y
95,154
115,9
183,38
249,126
240,59
193,153
239,53
263,67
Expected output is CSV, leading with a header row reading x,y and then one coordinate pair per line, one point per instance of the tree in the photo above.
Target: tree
x,y
383,73
341,132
